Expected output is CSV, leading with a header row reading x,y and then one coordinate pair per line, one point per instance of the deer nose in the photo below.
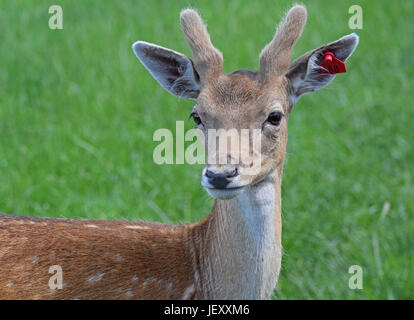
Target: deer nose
x,y
222,179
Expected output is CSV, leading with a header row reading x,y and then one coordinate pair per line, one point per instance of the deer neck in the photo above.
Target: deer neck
x,y
240,245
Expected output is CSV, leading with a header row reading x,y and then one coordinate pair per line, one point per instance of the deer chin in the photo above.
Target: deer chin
x,y
227,193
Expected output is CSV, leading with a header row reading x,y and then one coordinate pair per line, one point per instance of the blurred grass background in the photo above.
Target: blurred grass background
x,y
78,111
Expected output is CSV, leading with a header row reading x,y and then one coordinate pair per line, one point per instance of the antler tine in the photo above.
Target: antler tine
x,y
275,57
208,61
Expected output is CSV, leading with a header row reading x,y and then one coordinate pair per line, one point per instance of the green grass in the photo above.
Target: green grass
x,y
78,111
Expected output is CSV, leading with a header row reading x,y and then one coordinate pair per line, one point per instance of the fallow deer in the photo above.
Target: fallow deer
x,y
234,253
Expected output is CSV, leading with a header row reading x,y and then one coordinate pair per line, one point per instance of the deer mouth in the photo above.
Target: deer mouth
x,y
223,193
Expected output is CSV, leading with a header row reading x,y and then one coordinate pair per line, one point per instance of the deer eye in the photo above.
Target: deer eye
x,y
196,118
275,118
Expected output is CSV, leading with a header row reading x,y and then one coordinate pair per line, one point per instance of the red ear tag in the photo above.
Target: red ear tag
x,y
332,64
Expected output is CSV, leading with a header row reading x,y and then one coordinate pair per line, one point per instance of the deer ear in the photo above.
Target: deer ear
x,y
173,70
304,73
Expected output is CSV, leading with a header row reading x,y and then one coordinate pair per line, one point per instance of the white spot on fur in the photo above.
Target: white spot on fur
x,y
189,290
92,226
137,227
10,284
119,258
129,294
95,278
134,278
35,259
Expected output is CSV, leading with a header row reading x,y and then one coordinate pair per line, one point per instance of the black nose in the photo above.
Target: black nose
x,y
221,180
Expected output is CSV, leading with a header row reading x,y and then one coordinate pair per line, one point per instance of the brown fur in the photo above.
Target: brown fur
x,y
88,250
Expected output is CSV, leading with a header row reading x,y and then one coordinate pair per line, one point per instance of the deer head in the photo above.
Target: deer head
x,y
253,100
